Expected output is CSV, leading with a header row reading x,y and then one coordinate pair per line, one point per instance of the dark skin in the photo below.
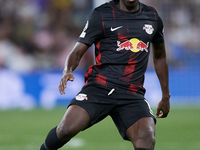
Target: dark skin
x,y
161,68
141,133
128,5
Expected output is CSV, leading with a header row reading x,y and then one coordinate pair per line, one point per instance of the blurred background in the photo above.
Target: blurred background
x,y
37,35
35,38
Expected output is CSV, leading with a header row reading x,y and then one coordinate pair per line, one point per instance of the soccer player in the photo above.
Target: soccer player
x,y
122,32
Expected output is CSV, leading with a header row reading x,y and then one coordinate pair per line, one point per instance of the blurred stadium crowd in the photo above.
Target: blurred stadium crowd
x,y
38,34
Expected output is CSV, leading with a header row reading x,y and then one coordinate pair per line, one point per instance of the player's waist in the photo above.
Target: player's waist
x,y
125,87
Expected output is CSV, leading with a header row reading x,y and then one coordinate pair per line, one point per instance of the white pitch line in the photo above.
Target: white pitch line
x,y
75,142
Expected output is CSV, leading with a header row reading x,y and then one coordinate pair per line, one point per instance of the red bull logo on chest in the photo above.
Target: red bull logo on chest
x,y
133,44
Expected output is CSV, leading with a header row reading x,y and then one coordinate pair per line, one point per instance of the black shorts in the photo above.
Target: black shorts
x,y
101,102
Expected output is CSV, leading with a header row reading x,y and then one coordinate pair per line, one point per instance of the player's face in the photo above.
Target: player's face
x,y
130,5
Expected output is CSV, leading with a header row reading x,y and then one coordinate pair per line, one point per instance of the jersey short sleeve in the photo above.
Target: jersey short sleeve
x,y
159,37
93,29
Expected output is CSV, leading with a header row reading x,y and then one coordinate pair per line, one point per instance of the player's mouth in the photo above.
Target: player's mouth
x,y
132,1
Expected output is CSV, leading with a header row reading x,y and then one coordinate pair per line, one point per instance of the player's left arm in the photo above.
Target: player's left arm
x,y
161,68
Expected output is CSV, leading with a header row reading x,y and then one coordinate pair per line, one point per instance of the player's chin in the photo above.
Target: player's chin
x,y
131,4
133,1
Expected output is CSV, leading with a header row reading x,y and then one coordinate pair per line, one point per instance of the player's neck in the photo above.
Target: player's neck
x,y
121,5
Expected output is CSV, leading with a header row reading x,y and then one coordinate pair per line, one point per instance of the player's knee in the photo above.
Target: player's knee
x,y
147,139
149,136
143,139
65,133
151,141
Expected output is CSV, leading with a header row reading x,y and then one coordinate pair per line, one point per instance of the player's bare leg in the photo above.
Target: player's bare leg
x,y
142,134
74,120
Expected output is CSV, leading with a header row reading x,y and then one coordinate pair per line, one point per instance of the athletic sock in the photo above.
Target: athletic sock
x,y
141,149
52,142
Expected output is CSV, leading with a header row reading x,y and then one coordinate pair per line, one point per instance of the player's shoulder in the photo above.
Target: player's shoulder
x,y
148,9
103,7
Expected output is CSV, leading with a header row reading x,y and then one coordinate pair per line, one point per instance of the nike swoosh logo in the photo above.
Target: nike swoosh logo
x,y
113,29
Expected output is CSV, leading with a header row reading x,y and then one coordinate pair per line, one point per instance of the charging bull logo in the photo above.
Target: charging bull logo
x,y
133,44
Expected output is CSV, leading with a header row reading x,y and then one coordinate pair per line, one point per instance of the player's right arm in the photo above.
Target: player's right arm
x,y
71,63
92,32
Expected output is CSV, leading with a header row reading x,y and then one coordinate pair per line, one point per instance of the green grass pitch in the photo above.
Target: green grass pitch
x,y
26,130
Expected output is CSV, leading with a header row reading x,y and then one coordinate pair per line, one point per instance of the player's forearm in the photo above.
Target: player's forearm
x,y
161,69
71,62
75,56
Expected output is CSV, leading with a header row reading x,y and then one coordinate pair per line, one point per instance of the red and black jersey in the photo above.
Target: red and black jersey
x,y
122,45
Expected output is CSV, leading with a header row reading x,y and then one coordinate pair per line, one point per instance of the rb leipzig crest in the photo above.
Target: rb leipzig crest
x,y
148,28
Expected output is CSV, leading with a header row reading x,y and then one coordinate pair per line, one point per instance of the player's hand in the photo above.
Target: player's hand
x,y
163,108
67,76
